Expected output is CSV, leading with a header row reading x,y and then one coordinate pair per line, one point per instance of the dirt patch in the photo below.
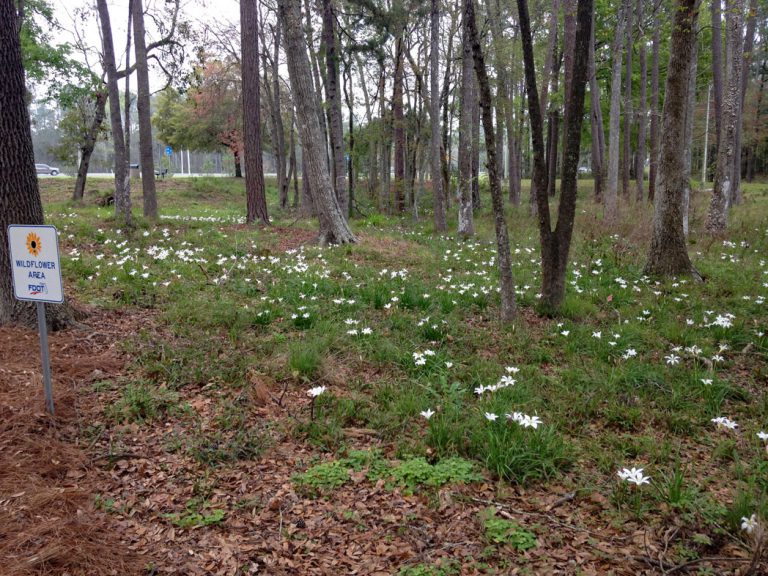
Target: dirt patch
x,y
48,519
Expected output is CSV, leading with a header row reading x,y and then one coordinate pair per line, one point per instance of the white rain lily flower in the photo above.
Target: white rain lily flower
x,y
749,524
763,436
672,359
706,381
597,335
491,417
316,391
723,422
449,364
634,476
367,331
565,332
427,413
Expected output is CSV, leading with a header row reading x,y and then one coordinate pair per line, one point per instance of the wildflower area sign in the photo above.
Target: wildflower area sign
x,y
36,274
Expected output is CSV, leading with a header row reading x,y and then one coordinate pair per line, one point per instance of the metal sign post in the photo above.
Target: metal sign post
x,y
42,329
36,273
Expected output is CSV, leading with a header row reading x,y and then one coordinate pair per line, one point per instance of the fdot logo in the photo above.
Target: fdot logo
x,y
36,289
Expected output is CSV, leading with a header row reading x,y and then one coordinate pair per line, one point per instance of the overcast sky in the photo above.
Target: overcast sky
x,y
195,10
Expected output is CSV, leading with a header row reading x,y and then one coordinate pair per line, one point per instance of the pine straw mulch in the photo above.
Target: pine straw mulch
x,y
51,470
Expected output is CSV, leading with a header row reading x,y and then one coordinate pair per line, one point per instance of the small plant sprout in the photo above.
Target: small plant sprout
x,y
428,413
726,423
633,476
314,393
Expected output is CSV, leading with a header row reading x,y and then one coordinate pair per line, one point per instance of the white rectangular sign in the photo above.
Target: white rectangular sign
x,y
35,263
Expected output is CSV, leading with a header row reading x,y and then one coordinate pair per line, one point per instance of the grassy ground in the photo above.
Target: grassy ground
x,y
244,323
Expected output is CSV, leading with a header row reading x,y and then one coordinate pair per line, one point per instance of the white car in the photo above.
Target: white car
x,y
46,169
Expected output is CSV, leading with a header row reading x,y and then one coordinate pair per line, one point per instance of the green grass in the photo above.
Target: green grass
x,y
228,299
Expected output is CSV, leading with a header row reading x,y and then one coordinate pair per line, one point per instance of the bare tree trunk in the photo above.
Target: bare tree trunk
x,y
690,111
668,254
749,43
19,193
717,65
497,199
464,193
434,105
293,165
555,244
333,95
256,200
333,224
146,151
717,219
627,157
276,116
757,123
398,124
642,112
445,147
122,195
612,190
475,146
654,163
316,76
86,150
596,117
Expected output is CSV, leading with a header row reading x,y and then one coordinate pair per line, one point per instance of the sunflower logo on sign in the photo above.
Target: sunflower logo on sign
x,y
33,244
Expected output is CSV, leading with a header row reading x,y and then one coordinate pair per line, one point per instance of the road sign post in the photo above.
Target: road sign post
x,y
36,274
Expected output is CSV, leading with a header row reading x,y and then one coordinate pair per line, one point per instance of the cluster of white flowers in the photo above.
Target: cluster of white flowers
x,y
634,476
420,358
504,382
723,422
749,525
524,420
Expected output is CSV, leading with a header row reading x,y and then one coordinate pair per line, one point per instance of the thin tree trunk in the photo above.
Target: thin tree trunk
x,y
627,156
333,224
293,165
398,124
642,112
497,199
690,111
122,195
333,95
668,253
717,219
654,162
596,117
256,199
86,150
749,43
466,226
276,115
434,105
351,203
146,151
717,66
475,146
612,189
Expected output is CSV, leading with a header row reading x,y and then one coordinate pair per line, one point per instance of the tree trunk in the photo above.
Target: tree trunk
x,y
256,200
293,166
668,254
555,244
19,193
146,149
276,116
351,203
333,95
475,146
86,150
398,124
749,43
627,156
654,163
434,113
596,117
464,193
333,224
612,189
122,195
717,219
642,112
690,111
497,200
717,66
